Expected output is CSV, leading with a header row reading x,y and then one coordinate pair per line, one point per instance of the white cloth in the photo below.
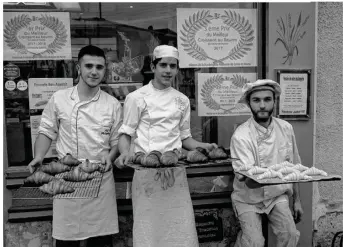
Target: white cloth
x,y
160,121
256,145
162,217
87,129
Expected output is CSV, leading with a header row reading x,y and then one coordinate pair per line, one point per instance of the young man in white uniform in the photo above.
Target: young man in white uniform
x,y
85,121
158,117
263,141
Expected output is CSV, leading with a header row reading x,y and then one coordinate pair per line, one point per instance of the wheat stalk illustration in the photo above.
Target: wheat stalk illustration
x,y
290,35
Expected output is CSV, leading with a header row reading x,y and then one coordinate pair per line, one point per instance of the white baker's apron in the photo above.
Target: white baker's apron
x,y
82,218
162,217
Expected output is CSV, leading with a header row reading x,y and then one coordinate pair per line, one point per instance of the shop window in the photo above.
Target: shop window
x,y
128,33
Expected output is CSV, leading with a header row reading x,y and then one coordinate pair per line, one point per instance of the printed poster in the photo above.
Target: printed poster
x,y
40,92
36,36
217,37
218,94
293,100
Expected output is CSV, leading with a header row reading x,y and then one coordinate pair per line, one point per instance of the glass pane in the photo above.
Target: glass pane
x,y
128,32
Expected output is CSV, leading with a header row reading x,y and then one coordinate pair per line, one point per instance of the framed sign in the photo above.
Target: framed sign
x,y
294,101
209,225
217,37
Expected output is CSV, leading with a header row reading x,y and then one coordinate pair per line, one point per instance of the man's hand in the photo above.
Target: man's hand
x,y
210,146
252,184
106,160
122,160
297,211
33,164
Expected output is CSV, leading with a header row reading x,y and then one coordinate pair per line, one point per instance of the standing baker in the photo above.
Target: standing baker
x,y
85,121
158,117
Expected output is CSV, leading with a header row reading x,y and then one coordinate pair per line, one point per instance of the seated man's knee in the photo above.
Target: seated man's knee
x,y
292,235
252,240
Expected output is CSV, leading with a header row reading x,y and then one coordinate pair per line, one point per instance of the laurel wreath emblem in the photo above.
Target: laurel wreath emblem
x,y
216,82
211,84
244,28
198,21
11,29
201,19
61,33
239,81
14,25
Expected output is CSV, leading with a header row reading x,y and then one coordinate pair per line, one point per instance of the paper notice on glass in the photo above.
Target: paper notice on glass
x,y
36,36
217,37
293,100
218,94
41,90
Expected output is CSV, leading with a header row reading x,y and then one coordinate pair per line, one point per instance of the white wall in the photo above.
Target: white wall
x,y
328,196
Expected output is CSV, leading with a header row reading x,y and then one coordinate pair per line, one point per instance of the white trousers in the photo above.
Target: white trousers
x,y
281,222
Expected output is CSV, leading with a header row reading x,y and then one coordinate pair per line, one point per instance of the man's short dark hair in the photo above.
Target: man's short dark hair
x,y
91,50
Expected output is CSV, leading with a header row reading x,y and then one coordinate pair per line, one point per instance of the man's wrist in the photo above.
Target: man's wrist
x,y
124,153
38,159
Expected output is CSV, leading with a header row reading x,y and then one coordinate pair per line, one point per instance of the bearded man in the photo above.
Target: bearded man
x,y
264,140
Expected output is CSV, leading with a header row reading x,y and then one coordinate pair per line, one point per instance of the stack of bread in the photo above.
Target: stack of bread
x,y
73,170
285,171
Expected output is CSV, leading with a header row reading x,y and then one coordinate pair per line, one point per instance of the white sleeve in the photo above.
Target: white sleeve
x,y
241,149
49,121
118,120
185,125
132,114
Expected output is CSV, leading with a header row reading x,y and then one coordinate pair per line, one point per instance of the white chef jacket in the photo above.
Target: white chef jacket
x,y
87,129
259,146
160,121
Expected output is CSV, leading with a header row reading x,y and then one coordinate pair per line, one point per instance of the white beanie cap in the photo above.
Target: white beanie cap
x,y
165,51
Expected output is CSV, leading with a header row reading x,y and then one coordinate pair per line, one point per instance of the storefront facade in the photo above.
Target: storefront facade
x,y
266,40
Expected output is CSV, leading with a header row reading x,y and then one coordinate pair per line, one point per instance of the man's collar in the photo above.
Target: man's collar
x,y
74,95
262,129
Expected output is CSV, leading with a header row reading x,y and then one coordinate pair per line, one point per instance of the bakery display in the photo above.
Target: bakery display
x,y
55,187
69,160
169,158
285,172
89,167
39,177
67,175
54,167
77,175
218,153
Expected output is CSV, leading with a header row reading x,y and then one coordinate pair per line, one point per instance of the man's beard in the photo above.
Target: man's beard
x,y
262,119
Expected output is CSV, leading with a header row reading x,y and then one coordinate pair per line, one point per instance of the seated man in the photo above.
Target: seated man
x,y
262,141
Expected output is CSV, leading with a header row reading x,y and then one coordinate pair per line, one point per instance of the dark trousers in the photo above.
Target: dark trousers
x,y
101,241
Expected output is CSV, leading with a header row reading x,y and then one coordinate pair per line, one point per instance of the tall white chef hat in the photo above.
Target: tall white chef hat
x,y
259,85
165,51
